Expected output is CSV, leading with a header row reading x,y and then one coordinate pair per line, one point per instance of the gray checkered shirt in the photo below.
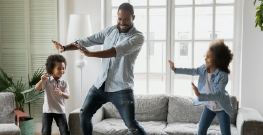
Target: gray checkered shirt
x,y
116,72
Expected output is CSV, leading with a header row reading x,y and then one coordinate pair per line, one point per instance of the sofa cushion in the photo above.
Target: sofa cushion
x,y
192,129
181,109
7,106
147,108
9,129
113,126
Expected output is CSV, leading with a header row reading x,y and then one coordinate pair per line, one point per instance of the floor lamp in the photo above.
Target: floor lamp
x,y
79,27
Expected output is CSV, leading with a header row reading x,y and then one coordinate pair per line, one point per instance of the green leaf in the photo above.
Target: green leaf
x,y
32,94
257,8
10,89
258,13
27,91
3,86
5,81
36,77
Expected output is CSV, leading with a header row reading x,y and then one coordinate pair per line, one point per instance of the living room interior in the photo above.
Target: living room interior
x,y
177,30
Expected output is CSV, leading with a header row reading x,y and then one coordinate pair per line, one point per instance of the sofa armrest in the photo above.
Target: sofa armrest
x,y
74,122
249,122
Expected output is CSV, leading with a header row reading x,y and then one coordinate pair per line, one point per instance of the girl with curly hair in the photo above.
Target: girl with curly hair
x,y
213,78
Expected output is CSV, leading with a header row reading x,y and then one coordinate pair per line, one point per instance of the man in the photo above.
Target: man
x,y
121,46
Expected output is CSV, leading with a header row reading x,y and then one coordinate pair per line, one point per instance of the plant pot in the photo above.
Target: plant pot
x,y
27,126
25,123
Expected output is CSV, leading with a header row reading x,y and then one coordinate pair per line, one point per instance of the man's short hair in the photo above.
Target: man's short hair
x,y
126,6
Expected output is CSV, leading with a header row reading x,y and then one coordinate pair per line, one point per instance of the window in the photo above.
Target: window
x,y
150,67
177,30
26,30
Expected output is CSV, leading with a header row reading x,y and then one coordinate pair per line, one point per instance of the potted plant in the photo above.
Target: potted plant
x,y
259,15
24,93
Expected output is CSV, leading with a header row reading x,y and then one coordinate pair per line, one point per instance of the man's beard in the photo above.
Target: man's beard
x,y
126,30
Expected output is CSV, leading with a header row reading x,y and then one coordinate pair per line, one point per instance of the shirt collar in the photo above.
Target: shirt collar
x,y
52,78
215,72
132,28
130,31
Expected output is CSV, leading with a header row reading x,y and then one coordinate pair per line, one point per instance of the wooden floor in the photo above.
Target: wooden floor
x,y
41,134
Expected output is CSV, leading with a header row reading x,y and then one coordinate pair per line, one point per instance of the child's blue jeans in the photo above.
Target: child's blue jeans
x,y
207,118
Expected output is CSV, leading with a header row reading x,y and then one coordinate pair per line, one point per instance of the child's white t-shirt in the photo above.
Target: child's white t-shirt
x,y
212,105
53,102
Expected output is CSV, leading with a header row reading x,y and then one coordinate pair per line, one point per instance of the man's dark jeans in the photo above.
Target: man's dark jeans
x,y
123,101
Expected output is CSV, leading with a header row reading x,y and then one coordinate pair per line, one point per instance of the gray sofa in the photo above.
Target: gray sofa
x,y
168,115
7,115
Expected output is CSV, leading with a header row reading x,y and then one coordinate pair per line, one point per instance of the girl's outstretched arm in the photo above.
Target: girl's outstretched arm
x,y
187,71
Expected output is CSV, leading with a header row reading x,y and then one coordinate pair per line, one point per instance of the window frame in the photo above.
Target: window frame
x,y
193,40
108,15
170,18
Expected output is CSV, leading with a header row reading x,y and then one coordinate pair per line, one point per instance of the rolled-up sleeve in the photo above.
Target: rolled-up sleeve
x,y
67,88
130,46
95,39
44,84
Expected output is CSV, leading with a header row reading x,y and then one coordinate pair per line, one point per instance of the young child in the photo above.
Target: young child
x,y
56,91
213,78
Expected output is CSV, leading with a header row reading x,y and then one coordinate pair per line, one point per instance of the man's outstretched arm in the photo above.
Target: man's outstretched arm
x,y
99,54
67,47
121,50
95,39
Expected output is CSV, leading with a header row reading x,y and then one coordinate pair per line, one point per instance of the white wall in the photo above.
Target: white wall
x,y
251,61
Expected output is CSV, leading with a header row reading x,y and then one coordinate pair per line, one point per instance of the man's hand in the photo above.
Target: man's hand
x,y
44,77
171,65
82,49
197,93
58,46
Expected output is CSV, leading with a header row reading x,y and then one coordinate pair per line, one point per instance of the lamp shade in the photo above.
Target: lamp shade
x,y
79,27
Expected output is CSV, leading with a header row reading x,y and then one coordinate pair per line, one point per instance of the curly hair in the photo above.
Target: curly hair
x,y
51,62
222,54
